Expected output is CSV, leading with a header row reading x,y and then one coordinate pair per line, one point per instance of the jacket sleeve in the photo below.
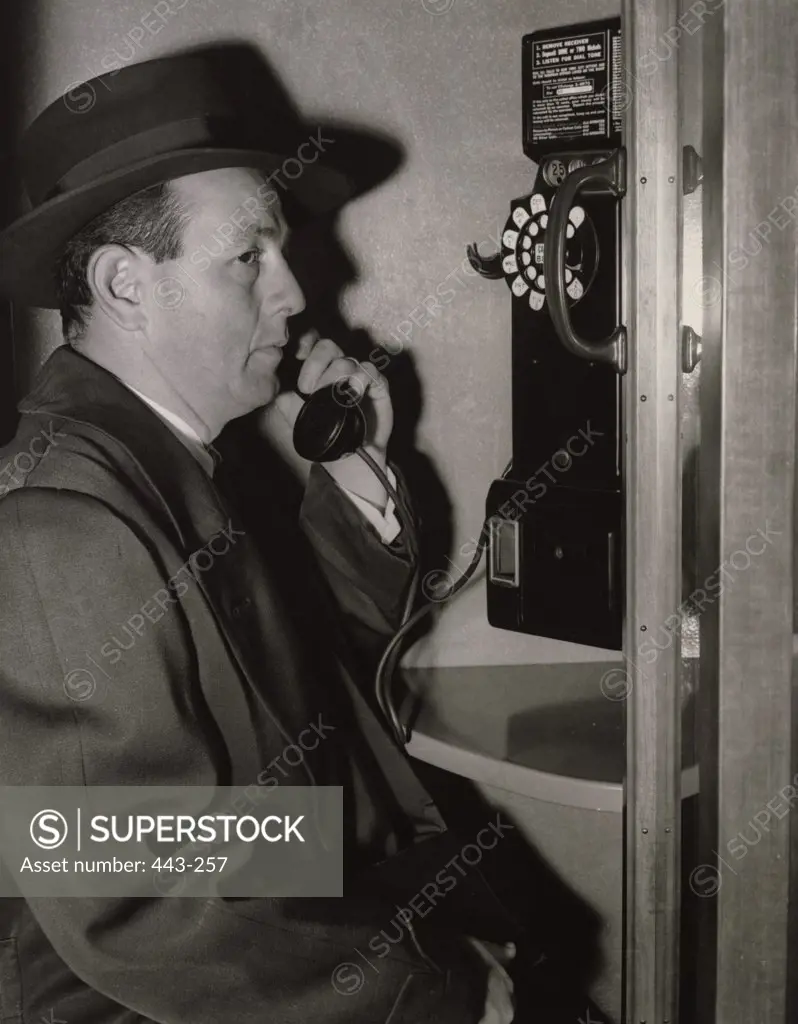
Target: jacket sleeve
x,y
73,572
369,579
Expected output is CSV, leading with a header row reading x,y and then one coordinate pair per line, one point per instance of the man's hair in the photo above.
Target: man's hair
x,y
152,220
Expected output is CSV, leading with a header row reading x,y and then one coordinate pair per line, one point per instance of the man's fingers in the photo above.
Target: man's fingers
x,y
352,380
316,363
346,375
306,343
324,363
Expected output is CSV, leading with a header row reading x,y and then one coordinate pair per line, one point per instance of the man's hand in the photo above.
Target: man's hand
x,y
499,1005
324,363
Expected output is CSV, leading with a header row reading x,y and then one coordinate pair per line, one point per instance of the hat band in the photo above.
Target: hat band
x,y
166,138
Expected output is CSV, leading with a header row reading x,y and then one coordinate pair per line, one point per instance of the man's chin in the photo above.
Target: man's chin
x,y
258,390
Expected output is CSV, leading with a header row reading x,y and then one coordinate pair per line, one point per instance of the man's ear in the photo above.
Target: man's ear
x,y
116,277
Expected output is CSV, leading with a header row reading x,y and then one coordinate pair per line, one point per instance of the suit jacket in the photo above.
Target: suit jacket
x,y
120,667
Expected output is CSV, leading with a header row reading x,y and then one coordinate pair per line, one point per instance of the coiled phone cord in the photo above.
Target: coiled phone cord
x,y
387,665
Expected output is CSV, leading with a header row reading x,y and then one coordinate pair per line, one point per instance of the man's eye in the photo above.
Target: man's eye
x,y
251,257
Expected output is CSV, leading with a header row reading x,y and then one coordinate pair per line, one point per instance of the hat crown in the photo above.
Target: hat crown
x,y
148,99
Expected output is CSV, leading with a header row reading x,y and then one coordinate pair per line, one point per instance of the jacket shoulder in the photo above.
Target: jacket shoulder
x,y
55,465
46,452
39,524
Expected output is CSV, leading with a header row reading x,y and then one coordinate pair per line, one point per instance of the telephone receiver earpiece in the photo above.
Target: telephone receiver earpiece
x,y
330,424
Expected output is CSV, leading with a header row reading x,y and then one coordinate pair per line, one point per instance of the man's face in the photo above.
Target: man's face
x,y
217,316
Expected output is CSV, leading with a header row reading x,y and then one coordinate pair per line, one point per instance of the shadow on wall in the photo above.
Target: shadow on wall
x,y
557,932
324,270
16,53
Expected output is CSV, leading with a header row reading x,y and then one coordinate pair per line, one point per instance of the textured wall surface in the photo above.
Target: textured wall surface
x,y
442,77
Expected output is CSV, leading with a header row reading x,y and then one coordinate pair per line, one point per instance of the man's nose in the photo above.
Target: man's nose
x,y
286,287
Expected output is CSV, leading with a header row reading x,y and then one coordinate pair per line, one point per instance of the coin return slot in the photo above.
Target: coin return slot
x,y
504,555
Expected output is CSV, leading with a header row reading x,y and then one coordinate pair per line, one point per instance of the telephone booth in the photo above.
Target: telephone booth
x,y
648,508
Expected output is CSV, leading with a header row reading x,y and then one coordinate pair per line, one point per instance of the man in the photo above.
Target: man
x,y
120,666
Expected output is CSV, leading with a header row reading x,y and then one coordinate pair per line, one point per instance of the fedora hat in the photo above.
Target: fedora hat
x,y
147,123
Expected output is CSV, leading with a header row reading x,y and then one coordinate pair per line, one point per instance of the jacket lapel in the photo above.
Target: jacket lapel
x,y
84,394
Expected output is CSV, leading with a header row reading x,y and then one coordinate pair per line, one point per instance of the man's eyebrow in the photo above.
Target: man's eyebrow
x,y
273,232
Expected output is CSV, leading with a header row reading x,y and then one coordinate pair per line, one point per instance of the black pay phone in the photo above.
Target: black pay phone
x,y
555,520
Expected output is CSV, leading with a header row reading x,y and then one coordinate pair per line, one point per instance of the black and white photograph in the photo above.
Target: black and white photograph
x,y
398,512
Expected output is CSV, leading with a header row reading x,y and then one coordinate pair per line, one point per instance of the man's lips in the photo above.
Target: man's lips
x,y
276,347
279,343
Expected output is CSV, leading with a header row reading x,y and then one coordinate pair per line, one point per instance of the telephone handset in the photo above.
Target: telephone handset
x,y
330,423
329,426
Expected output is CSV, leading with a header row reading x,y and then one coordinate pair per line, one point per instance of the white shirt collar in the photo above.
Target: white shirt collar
x,y
184,431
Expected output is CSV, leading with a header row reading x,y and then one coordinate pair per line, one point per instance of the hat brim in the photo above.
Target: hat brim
x,y
31,245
